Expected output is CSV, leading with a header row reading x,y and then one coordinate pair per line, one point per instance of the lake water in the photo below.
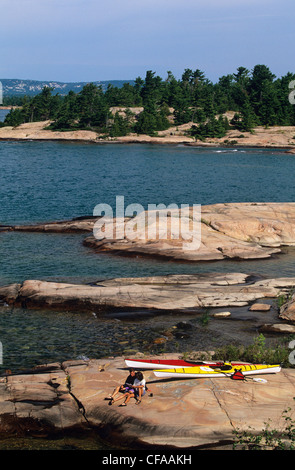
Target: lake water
x,y
3,113
45,181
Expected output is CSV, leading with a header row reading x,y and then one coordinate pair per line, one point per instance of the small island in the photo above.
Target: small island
x,y
246,108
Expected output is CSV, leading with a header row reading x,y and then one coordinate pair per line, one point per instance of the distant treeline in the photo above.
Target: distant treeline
x,y
256,97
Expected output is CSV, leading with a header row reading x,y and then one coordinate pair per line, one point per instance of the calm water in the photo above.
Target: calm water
x,y
3,113
46,181
56,181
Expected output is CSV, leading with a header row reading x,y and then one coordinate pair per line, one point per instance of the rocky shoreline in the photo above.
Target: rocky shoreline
x,y
277,137
228,231
172,293
69,398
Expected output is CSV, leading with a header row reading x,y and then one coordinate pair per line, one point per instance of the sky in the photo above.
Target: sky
x,y
92,40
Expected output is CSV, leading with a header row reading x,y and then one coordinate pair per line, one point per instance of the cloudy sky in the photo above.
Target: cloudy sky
x,y
89,40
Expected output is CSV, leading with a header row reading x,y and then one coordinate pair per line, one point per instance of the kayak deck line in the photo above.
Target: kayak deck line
x,y
174,363
207,371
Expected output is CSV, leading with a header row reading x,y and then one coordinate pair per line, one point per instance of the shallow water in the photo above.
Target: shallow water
x,y
49,256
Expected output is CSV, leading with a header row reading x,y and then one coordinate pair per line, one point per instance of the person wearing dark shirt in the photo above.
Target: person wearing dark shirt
x,y
137,391
124,388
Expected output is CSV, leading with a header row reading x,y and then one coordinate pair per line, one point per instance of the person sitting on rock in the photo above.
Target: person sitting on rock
x,y
125,388
139,389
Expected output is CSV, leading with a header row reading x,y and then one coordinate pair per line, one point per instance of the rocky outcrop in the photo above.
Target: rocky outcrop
x,y
77,225
267,224
163,293
233,231
194,413
227,231
287,311
283,328
38,403
38,131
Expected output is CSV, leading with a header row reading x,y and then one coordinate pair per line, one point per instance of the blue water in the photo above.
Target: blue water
x,y
55,181
3,113
45,181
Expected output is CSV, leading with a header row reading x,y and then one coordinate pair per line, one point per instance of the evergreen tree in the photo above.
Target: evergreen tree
x,y
154,116
92,107
261,79
14,118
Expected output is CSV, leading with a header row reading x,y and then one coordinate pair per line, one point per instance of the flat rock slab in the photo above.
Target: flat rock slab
x,y
163,293
181,413
38,131
37,403
284,328
260,307
227,231
218,232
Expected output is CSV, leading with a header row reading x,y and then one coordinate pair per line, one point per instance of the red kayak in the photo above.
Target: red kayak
x,y
172,363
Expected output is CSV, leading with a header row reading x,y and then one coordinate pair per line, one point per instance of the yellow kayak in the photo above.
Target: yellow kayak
x,y
224,371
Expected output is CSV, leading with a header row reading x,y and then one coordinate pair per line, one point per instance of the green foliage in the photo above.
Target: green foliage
x,y
151,120
12,100
42,107
120,126
212,128
257,97
269,438
257,352
204,320
284,298
14,118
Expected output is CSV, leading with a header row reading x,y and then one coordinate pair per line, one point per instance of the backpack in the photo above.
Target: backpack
x,y
238,375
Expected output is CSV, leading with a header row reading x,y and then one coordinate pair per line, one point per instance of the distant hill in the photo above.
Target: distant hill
x,y
16,87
